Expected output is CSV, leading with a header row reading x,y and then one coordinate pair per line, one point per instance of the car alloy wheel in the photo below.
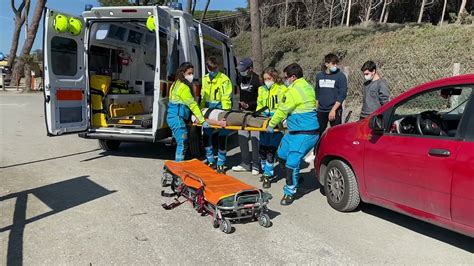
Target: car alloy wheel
x,y
335,185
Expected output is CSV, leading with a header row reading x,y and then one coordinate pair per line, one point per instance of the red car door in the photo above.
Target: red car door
x,y
413,170
462,200
462,203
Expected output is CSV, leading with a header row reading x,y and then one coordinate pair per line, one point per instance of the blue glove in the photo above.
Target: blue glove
x,y
269,129
205,125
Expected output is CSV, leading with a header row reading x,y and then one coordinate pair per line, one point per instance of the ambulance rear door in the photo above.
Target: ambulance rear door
x,y
65,91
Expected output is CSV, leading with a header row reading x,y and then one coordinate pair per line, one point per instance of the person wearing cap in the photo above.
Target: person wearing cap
x,y
216,93
249,82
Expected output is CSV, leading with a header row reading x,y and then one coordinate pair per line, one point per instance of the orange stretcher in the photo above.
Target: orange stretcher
x,y
222,197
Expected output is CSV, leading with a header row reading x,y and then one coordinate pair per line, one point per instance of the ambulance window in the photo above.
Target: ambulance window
x,y
197,47
174,61
212,51
64,56
163,55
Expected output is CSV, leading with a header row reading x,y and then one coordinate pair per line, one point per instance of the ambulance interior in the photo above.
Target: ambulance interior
x,y
121,65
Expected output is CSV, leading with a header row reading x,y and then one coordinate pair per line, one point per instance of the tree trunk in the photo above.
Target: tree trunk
x,y
205,10
443,12
331,13
422,9
256,36
343,12
27,69
369,10
385,19
286,13
19,21
383,11
194,7
349,5
189,6
30,37
461,9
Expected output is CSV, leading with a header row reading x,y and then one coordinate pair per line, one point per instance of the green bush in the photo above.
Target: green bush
x,y
407,55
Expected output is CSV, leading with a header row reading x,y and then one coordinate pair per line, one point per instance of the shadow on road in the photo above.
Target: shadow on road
x,y
48,159
58,197
452,238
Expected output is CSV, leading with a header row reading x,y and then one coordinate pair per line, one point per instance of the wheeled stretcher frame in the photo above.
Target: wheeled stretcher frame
x,y
247,203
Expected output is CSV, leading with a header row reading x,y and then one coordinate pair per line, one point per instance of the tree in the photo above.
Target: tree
x,y
386,4
30,37
20,18
189,6
368,6
461,10
443,12
256,36
205,10
331,6
27,62
349,8
424,4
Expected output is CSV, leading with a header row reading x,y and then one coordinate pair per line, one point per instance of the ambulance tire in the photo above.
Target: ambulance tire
x,y
109,145
195,144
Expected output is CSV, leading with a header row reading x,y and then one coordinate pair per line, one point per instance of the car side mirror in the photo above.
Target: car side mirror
x,y
376,124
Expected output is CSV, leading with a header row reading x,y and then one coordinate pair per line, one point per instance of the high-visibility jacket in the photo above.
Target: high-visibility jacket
x,y
216,93
298,107
270,97
181,102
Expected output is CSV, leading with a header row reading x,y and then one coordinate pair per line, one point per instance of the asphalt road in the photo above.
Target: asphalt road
x,y
64,201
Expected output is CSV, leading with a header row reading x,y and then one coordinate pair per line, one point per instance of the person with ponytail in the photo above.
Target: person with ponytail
x,y
180,105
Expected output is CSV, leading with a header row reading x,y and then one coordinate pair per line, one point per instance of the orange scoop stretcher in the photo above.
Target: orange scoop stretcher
x,y
224,198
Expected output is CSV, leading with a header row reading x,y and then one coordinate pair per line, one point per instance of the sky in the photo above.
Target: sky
x,y
75,7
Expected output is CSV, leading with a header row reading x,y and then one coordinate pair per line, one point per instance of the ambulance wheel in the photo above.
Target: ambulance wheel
x,y
264,220
195,142
225,226
109,145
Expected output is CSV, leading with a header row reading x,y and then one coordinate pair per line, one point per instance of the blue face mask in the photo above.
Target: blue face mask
x,y
212,74
333,69
286,82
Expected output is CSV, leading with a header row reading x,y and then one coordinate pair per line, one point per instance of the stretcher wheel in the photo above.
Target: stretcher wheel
x,y
264,220
215,224
225,226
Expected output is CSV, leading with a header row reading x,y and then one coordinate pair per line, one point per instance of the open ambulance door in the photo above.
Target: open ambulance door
x,y
65,92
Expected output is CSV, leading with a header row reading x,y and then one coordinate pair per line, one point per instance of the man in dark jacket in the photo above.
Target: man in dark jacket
x,y
331,91
249,83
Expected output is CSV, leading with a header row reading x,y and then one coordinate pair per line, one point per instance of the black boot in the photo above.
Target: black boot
x,y
266,181
287,200
221,169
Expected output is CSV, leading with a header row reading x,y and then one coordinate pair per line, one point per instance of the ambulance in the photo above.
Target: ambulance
x,y
108,72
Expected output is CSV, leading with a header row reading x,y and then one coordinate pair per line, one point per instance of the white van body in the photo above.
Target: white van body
x,y
109,34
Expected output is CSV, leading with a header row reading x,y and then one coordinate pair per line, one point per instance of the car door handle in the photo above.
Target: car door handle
x,y
439,153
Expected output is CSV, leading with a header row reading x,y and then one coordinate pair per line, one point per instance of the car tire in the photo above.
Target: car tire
x,y
109,145
342,191
195,147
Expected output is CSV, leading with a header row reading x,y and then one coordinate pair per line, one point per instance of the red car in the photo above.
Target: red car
x,y
415,155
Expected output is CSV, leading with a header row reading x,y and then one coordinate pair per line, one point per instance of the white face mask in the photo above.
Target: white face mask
x,y
189,78
368,77
268,83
